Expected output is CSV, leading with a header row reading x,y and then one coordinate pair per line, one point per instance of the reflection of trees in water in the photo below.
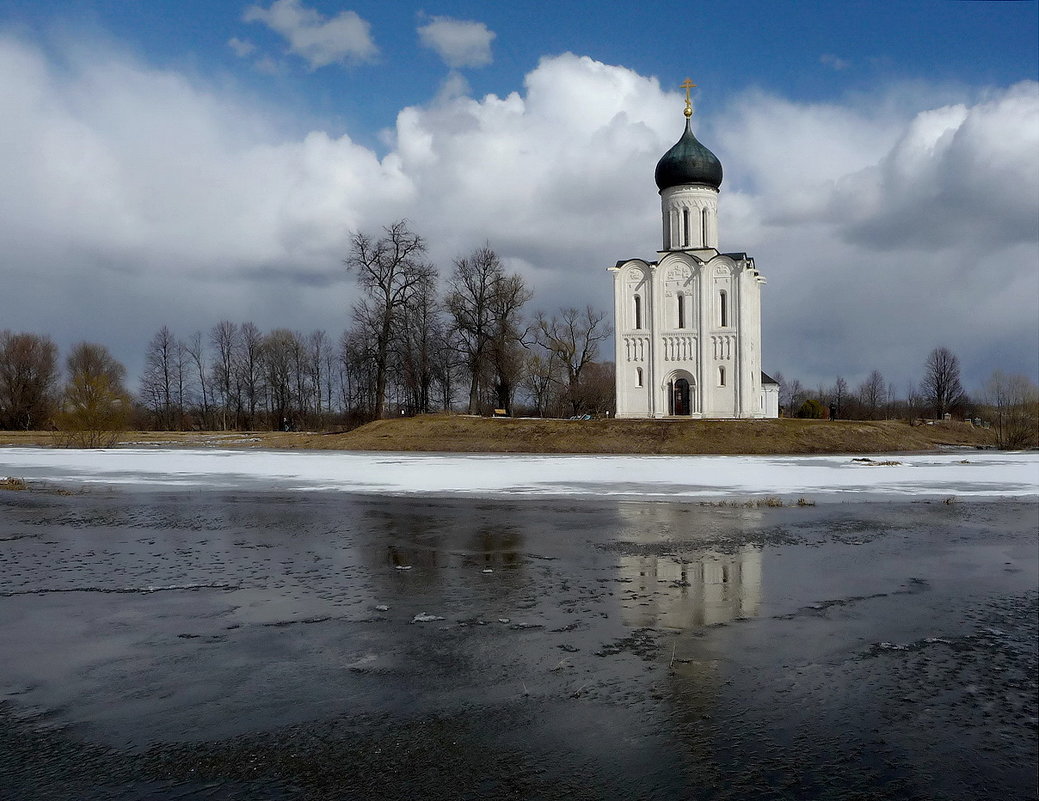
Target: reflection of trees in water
x,y
440,547
494,548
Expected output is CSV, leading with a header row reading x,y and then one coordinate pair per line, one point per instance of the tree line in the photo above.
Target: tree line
x,y
415,345
1009,403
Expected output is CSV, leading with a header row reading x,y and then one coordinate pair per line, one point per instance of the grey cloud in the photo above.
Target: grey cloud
x,y
133,197
460,43
957,175
345,38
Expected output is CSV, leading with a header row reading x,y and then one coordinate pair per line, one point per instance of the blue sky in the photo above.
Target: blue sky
x,y
182,162
811,51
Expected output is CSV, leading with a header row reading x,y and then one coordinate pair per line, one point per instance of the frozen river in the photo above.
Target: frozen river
x,y
966,474
209,625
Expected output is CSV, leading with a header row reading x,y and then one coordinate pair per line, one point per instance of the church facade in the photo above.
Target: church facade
x,y
688,325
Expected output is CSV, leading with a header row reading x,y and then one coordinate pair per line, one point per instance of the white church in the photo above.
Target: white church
x,y
688,326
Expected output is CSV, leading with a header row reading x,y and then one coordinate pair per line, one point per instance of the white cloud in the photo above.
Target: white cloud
x,y
460,43
242,47
132,197
345,38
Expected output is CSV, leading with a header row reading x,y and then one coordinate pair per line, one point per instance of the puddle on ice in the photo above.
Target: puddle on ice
x,y
173,645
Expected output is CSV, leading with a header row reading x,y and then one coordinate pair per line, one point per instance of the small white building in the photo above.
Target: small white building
x,y
688,326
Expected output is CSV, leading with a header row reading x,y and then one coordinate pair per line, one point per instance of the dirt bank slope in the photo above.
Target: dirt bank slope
x,y
461,433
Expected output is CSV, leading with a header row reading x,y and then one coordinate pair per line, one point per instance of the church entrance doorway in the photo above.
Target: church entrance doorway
x,y
680,398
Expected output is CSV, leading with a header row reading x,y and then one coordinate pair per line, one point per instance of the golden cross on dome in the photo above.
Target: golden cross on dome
x,y
688,84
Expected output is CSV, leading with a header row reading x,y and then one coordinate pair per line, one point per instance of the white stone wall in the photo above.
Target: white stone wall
x,y
690,217
696,316
770,400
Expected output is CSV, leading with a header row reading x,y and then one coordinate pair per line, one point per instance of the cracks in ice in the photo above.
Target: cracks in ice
x,y
914,586
147,590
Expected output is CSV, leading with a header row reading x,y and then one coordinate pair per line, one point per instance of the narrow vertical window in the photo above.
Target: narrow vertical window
x,y
723,309
638,312
721,376
703,227
686,234
638,376
681,311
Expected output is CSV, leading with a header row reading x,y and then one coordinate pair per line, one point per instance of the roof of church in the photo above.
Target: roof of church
x,y
688,162
767,379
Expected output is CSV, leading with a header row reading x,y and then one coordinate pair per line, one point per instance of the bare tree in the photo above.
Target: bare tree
x,y
600,388
95,405
1013,402
224,338
317,352
195,351
448,367
159,380
302,380
839,394
914,402
541,381
388,270
249,373
470,294
277,360
333,375
941,385
791,395
872,395
418,340
358,361
507,349
484,303
28,375
573,337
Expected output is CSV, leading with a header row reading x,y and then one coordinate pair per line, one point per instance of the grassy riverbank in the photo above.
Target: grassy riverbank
x,y
462,433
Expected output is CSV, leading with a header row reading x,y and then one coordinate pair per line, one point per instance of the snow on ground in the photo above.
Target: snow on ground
x,y
816,478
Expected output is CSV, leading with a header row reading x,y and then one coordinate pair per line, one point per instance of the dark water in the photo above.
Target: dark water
x,y
240,646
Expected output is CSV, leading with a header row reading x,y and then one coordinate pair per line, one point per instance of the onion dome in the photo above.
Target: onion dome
x,y
688,162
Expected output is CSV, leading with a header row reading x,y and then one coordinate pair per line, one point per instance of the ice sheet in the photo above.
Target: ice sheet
x,y
817,478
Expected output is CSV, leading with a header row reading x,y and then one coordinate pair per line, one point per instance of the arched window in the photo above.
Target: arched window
x,y
721,376
638,376
723,308
638,312
681,310
703,226
686,233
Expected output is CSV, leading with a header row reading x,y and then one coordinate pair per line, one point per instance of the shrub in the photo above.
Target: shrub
x,y
811,409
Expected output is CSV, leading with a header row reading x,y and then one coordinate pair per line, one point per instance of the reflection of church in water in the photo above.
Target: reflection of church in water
x,y
688,326
687,588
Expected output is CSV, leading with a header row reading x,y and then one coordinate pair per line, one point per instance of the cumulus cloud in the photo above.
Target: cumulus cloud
x,y
132,197
887,230
345,38
460,43
957,173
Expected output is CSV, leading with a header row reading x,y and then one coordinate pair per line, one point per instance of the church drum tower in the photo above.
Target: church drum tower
x,y
688,326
